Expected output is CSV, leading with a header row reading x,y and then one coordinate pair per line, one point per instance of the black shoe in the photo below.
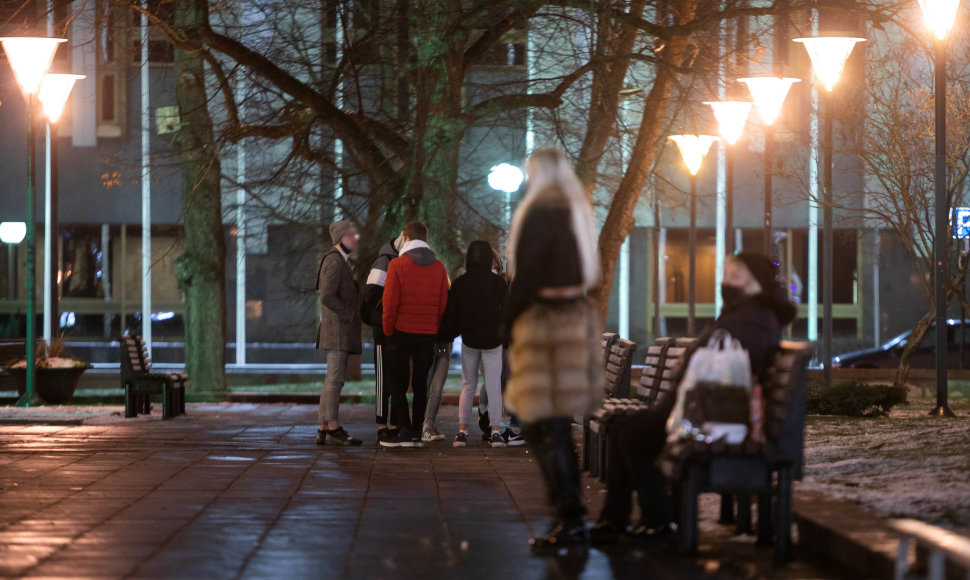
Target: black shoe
x,y
386,436
662,533
605,532
512,438
562,536
340,438
322,436
399,438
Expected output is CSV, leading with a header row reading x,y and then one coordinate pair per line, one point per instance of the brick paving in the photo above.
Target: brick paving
x,y
240,491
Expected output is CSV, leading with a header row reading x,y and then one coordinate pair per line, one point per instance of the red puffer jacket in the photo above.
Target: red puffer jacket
x,y
415,293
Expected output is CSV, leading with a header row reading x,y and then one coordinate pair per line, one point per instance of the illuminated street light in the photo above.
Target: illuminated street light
x,y
506,178
939,16
829,55
693,149
12,232
769,95
30,57
53,94
731,118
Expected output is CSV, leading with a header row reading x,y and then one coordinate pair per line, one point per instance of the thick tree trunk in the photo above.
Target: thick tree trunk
x,y
916,337
432,192
201,269
620,219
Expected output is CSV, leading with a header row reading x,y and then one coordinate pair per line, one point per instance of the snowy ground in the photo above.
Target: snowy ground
x,y
906,465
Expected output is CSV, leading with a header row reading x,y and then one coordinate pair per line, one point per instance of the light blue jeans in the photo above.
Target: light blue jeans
x,y
490,361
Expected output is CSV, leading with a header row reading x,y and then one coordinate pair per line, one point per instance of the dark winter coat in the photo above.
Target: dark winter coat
x,y
339,317
372,307
546,255
756,322
476,301
415,293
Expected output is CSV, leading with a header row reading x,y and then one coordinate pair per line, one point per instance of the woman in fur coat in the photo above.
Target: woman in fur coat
x,y
554,355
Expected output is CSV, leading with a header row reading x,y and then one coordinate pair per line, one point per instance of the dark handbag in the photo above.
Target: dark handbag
x,y
712,403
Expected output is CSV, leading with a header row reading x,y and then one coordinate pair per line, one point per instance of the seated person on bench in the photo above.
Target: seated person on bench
x,y
756,309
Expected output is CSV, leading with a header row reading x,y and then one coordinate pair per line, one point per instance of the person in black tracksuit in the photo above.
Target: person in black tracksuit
x,y
371,312
756,309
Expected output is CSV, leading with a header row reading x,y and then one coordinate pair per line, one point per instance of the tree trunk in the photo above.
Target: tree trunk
x,y
916,337
201,269
620,219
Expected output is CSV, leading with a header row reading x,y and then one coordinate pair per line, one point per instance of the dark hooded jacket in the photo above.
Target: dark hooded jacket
x,y
476,302
371,309
756,322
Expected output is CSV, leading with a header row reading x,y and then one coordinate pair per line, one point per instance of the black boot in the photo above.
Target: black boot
x,y
563,535
560,468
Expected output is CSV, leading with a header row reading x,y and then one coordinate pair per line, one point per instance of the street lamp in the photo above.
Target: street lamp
x,y
829,55
731,117
54,90
30,57
693,149
507,178
769,95
939,15
11,234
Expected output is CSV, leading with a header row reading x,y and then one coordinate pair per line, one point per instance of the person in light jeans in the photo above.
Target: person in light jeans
x,y
475,304
439,374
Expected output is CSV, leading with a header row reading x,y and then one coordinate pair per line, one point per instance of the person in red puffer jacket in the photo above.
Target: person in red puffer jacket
x,y
415,295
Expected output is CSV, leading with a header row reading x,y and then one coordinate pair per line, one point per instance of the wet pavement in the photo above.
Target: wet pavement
x,y
241,491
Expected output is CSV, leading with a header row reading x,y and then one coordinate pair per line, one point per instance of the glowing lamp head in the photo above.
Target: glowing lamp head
x,y
12,232
30,57
731,117
829,55
54,90
939,15
693,149
768,94
505,177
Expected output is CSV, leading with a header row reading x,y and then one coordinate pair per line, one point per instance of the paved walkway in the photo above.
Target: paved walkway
x,y
240,491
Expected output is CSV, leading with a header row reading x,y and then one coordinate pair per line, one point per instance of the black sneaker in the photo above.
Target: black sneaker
x,y
461,439
385,436
322,436
512,438
339,437
402,438
562,536
605,532
497,440
659,534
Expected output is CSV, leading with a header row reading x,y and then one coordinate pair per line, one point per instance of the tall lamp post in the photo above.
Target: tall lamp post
x,y
53,93
769,95
731,117
939,15
507,178
829,55
693,149
30,57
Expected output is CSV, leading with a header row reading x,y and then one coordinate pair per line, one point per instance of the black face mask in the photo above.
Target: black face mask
x,y
732,295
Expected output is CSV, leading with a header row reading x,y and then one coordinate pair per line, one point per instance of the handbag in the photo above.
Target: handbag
x,y
713,398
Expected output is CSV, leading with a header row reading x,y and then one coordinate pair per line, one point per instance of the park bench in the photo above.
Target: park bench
x,y
940,553
662,368
619,362
749,468
140,383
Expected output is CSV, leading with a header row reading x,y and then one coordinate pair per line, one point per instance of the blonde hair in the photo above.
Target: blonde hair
x,y
549,169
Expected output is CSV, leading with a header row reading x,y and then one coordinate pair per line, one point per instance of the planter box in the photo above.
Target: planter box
x,y
55,386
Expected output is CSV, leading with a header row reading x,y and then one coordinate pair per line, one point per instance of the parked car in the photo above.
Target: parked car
x,y
886,356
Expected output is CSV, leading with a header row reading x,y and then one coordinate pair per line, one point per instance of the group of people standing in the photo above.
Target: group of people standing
x,y
532,330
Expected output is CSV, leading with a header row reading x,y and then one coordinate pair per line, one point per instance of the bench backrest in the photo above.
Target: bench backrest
x,y
134,358
609,339
664,367
618,366
785,399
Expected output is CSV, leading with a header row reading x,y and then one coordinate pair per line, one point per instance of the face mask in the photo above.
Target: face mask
x,y
732,294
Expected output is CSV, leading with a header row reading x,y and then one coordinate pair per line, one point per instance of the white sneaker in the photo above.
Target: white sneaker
x,y
429,435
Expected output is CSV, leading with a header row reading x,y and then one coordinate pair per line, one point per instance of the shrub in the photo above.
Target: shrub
x,y
854,399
